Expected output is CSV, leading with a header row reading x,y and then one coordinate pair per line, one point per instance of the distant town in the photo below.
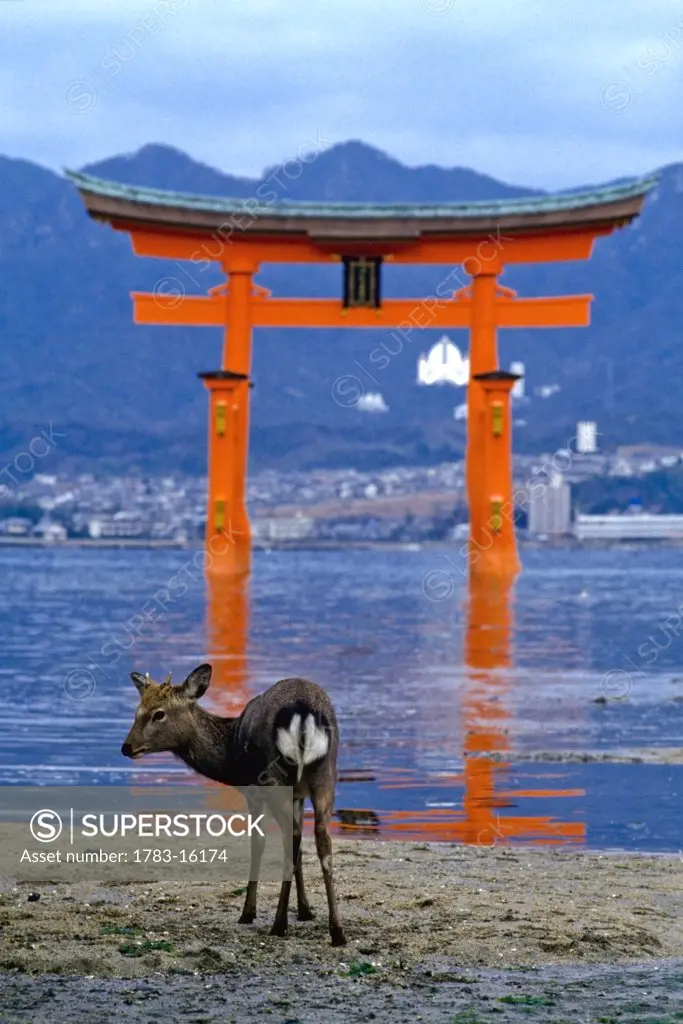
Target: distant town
x,y
565,496
578,494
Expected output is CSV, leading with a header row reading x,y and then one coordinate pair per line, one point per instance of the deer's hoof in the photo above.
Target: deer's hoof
x,y
247,918
279,928
338,937
305,914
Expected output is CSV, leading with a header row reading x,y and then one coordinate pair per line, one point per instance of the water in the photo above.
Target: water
x,y
444,697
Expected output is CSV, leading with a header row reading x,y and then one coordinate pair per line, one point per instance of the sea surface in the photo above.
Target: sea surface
x,y
469,714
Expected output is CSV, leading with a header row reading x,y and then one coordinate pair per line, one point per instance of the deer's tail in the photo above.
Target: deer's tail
x,y
302,737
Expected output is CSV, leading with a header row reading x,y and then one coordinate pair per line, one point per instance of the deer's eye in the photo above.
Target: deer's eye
x,y
158,715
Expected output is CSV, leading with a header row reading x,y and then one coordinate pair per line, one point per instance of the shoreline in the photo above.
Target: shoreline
x,y
563,544
421,918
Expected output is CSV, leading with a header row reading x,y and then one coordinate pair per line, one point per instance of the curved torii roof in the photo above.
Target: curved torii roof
x,y
131,206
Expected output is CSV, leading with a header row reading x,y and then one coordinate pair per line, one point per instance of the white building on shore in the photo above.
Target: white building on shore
x,y
550,511
639,527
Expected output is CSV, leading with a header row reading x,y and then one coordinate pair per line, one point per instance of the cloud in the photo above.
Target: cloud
x,y
549,95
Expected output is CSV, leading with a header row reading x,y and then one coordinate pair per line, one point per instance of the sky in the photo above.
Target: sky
x,y
533,92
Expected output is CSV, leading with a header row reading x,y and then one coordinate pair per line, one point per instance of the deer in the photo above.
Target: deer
x,y
286,736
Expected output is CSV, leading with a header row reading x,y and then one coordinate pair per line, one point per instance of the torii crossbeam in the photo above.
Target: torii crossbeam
x,y
241,235
451,311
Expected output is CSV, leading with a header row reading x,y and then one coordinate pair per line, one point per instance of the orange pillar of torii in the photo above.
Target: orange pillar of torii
x,y
242,235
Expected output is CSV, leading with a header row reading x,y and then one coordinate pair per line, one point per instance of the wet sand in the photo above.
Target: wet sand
x,y
436,932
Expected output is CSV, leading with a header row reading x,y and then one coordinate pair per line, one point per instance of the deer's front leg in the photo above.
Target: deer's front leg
x,y
258,845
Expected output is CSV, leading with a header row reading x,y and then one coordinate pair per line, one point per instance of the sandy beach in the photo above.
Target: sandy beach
x,y
436,932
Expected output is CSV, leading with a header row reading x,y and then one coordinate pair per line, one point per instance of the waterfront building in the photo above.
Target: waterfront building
x,y
639,527
550,510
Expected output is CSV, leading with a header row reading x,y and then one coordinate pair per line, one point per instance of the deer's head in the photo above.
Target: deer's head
x,y
164,716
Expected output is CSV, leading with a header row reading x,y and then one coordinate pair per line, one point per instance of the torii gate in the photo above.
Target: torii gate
x,y
241,235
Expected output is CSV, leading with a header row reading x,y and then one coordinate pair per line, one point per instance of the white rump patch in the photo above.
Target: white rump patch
x,y
315,743
287,742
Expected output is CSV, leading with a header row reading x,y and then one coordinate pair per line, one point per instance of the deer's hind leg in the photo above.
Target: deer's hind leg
x,y
322,796
286,817
304,912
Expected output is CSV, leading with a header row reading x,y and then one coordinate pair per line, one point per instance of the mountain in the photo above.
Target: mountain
x,y
128,396
348,172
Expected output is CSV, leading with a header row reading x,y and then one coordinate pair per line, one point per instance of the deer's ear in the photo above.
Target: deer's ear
x,y
140,681
197,683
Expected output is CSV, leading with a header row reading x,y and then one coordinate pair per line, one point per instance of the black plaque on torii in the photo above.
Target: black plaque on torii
x,y
362,280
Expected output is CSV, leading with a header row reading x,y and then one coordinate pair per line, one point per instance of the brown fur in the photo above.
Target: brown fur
x,y
156,695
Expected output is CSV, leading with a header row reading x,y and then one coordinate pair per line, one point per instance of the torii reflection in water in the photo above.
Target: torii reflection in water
x,y
227,637
485,726
487,655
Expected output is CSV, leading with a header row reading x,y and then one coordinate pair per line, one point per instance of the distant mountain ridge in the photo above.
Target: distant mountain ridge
x,y
347,172
128,396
